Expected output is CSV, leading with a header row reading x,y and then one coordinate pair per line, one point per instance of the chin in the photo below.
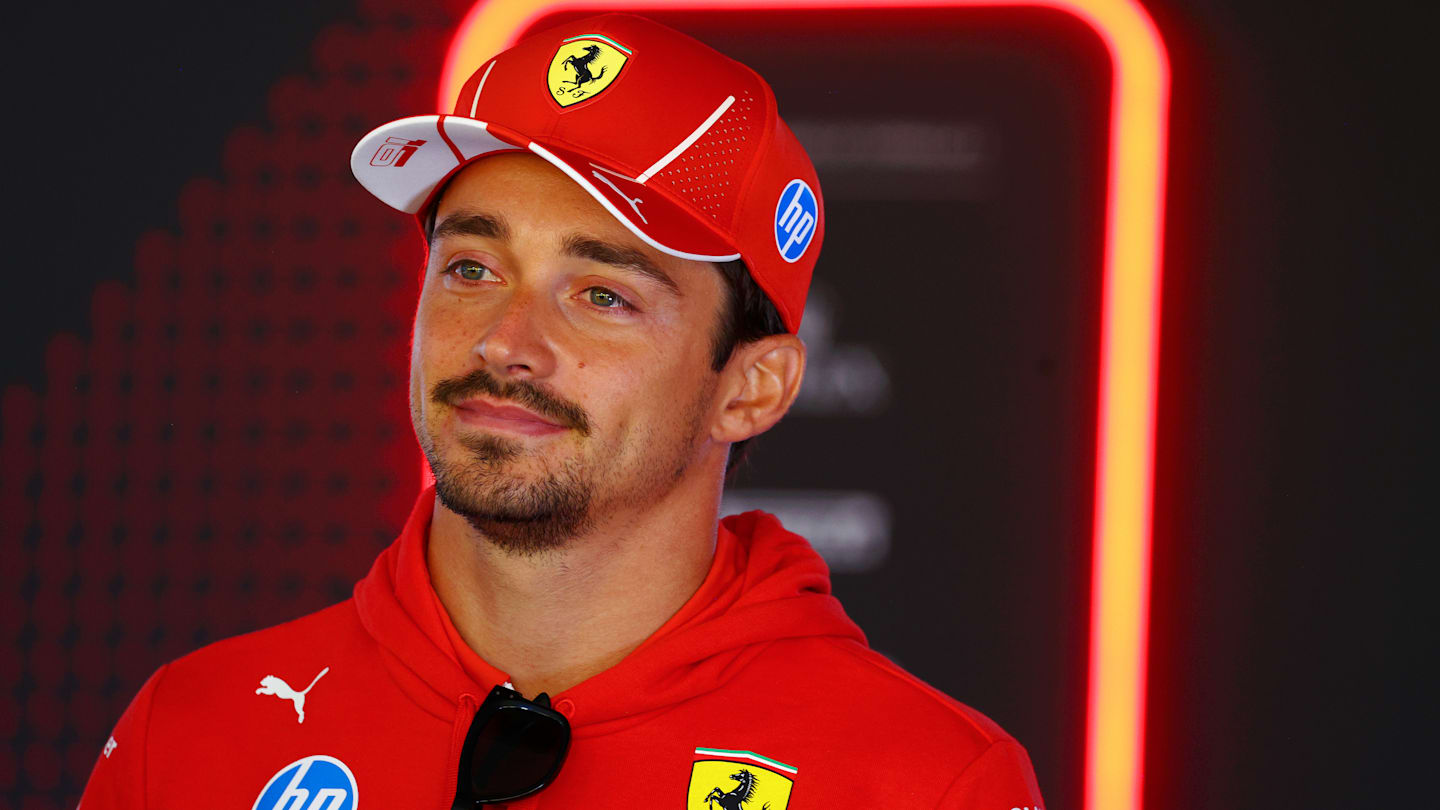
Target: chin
x,y
520,515
490,482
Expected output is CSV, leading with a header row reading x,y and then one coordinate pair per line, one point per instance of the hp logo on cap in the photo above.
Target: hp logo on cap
x,y
795,217
313,783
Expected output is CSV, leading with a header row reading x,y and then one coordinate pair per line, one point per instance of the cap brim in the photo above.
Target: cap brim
x,y
405,161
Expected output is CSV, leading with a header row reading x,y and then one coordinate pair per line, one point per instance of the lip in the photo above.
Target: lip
x,y
508,418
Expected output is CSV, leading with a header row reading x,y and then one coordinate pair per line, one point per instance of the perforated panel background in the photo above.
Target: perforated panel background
x,y
229,446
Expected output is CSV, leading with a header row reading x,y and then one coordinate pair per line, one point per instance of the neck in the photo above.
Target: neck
x,y
554,619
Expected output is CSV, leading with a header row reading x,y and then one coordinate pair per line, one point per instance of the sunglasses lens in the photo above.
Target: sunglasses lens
x,y
516,753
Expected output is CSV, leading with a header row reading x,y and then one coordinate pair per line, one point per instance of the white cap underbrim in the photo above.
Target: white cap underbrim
x,y
403,162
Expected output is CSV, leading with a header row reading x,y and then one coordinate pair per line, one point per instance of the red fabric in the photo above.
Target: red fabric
x,y
761,659
716,197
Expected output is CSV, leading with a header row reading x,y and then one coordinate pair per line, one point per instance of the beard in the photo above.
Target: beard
x,y
523,517
530,516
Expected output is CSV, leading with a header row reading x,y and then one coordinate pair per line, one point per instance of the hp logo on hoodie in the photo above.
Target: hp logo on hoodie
x,y
314,783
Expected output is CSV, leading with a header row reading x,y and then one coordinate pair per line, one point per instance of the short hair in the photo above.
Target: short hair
x,y
747,315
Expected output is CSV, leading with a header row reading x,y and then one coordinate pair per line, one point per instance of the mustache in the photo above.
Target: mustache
x,y
525,393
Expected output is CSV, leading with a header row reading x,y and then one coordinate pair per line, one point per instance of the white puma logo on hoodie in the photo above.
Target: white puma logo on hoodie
x,y
271,685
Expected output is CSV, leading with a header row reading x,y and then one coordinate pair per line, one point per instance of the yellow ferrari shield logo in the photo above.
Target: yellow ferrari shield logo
x,y
584,66
738,780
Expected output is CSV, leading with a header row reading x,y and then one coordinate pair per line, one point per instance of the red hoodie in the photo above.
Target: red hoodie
x,y
760,673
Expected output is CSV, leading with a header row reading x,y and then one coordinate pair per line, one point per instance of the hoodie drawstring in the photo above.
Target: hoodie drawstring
x,y
464,716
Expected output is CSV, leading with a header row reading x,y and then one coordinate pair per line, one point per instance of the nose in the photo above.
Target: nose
x,y
515,345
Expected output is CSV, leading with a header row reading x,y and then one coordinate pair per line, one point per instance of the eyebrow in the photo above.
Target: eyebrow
x,y
494,226
625,258
472,224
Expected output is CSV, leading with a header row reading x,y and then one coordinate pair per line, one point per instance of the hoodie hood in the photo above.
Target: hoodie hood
x,y
765,584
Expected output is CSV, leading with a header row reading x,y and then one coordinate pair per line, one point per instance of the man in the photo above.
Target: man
x,y
620,237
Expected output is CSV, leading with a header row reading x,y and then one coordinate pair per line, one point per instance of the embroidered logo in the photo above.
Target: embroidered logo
x,y
584,66
271,685
795,214
395,152
313,783
738,780
635,202
110,746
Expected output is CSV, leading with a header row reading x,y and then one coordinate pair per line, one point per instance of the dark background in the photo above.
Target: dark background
x,y
200,374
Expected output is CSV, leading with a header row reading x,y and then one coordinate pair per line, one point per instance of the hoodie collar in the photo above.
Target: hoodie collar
x,y
765,584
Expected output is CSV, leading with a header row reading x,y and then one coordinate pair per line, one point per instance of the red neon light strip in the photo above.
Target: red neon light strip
x,y
1129,336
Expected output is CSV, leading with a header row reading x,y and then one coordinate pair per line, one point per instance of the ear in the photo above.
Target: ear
x,y
758,385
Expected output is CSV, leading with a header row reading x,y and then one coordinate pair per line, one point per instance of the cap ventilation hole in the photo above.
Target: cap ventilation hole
x,y
707,168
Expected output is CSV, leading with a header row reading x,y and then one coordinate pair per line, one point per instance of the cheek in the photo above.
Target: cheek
x,y
440,343
664,407
420,376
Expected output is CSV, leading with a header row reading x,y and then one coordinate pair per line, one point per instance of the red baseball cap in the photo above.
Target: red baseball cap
x,y
682,144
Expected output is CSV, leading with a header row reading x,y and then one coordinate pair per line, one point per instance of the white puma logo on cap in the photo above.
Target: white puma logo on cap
x,y
634,201
271,685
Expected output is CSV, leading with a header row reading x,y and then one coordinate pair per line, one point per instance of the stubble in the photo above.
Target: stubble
x,y
519,516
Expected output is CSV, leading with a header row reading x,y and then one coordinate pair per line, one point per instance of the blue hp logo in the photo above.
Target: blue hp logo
x,y
795,217
313,783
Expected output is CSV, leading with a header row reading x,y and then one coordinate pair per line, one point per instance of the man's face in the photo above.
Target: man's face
x,y
561,367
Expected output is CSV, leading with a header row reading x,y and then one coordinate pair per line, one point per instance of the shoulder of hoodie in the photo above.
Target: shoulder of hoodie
x,y
826,663
873,691
201,682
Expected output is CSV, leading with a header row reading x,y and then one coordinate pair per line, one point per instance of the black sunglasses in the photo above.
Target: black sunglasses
x,y
514,748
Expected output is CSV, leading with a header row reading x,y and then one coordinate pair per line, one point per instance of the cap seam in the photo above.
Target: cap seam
x,y
744,201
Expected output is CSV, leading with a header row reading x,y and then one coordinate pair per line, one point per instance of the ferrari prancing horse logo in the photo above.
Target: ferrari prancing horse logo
x,y
742,780
584,66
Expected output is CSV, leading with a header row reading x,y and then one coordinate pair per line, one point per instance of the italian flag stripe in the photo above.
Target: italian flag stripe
x,y
602,38
750,755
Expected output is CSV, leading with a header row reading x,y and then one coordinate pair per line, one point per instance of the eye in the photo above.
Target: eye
x,y
470,270
606,299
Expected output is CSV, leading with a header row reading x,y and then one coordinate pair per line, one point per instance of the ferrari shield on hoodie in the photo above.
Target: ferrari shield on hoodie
x,y
759,693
